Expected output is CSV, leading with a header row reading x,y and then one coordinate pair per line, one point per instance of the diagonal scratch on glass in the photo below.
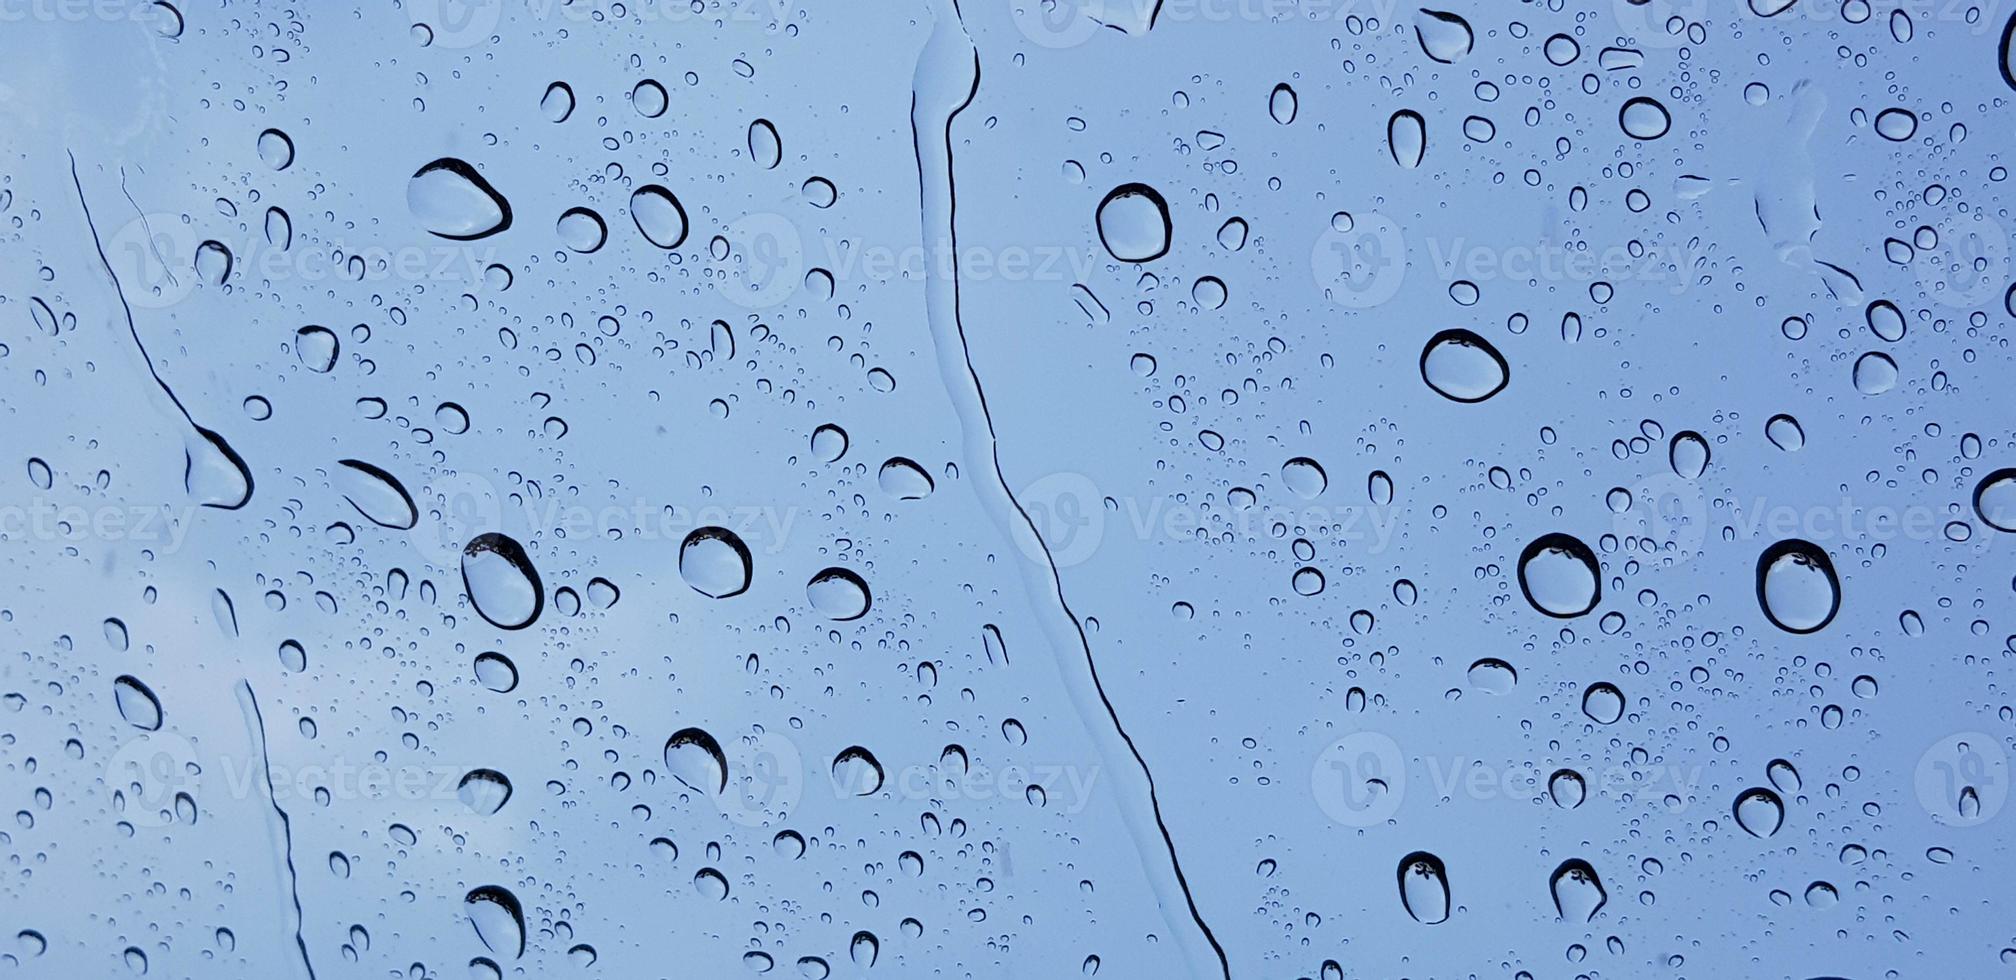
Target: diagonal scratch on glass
x,y
946,79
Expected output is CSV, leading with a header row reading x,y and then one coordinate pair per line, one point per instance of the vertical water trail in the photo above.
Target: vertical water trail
x,y
206,457
248,702
947,76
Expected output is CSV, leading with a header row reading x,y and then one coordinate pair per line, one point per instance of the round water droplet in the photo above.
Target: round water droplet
x,y
317,348
1875,373
277,149
1995,500
582,230
715,562
1796,586
829,443
1493,676
500,581
1688,454
1567,788
1644,119
453,201
1560,577
1462,366
1603,703
1134,223
903,479
496,672
649,98
1304,477
856,771
838,594
1759,811
659,216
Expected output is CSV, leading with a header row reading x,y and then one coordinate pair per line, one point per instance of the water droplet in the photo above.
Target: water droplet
x,y
1134,223
376,494
1689,454
500,581
1644,119
277,149
829,443
649,98
1444,37
1770,8
453,201
1886,320
1463,366
1424,888
856,771
1875,373
484,791
582,230
1785,432
496,672
1304,477
1281,104
659,216
1407,138
1603,703
1995,500
1493,676
766,148
498,918
1759,811
1796,586
1578,892
1567,788
715,562
1896,125
838,594
1560,577
317,348
903,479
693,757
558,102
136,703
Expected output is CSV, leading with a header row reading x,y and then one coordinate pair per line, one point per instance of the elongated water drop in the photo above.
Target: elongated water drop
x,y
1407,138
766,148
498,919
453,201
1424,888
1578,892
376,494
1443,36
136,703
693,757
1688,454
659,216
500,581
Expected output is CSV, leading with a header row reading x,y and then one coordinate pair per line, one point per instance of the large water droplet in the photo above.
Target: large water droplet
x,y
1785,432
659,216
1134,223
1689,454
500,581
1567,788
1407,138
766,148
1282,104
1603,703
1995,500
1462,366
1578,892
1885,320
376,494
212,472
276,149
715,562
496,672
1875,373
1493,676
484,791
582,230
693,757
317,348
838,594
136,703
649,98
1560,577
1797,587
856,771
1644,119
558,102
1304,477
903,479
1444,37
453,201
1759,811
498,918
1424,888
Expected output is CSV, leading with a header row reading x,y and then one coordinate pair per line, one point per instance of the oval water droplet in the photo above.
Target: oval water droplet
x,y
1407,138
1493,676
1797,587
558,102
484,791
1896,125
838,594
1995,500
903,479
1885,320
582,230
500,581
1462,366
1785,432
317,348
1424,888
1689,454
1603,703
1443,36
276,149
136,703
1560,576
829,443
1282,104
1567,788
1304,477
1875,373
1645,119
715,562
453,201
659,216
1133,223
498,919
693,757
766,148
496,672
376,494
649,98
857,772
